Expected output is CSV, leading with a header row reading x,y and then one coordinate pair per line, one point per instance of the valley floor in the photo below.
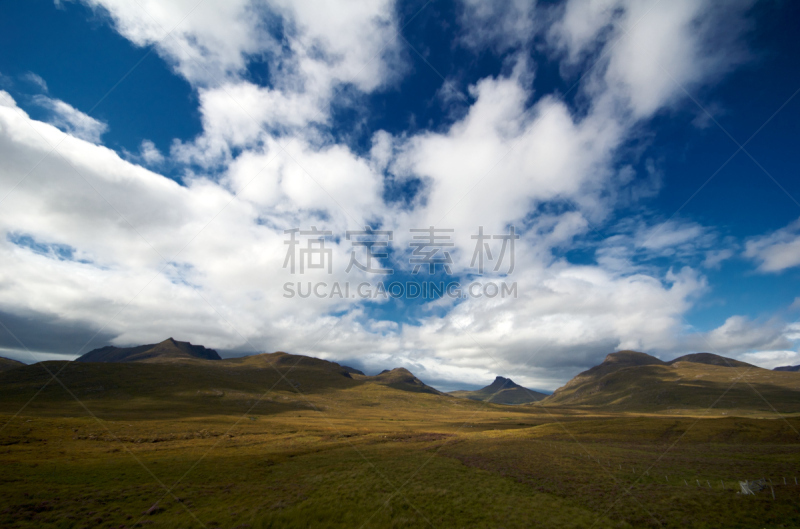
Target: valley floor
x,y
377,457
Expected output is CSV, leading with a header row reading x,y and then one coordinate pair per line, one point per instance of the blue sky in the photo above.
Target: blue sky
x,y
198,133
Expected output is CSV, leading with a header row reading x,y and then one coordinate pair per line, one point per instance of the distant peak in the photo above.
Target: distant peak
x,y
169,348
396,370
631,357
502,391
502,383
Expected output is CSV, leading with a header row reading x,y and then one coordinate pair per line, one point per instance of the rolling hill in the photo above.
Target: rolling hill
x,y
710,359
7,363
787,368
167,350
633,381
502,391
178,377
401,378
168,380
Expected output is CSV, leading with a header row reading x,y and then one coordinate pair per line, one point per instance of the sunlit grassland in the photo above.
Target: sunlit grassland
x,y
293,471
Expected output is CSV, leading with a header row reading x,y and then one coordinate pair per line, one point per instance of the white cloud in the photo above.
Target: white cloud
x,y
637,244
203,40
669,235
71,120
578,31
502,24
777,251
793,331
772,359
501,160
150,153
36,80
6,100
739,335
322,45
714,258
650,51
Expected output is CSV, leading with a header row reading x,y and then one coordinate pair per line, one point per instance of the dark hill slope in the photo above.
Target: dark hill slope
x,y
353,371
258,384
174,387
629,381
787,368
167,350
7,363
710,359
502,391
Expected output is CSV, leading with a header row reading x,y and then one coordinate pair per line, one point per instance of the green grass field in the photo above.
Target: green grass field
x,y
219,449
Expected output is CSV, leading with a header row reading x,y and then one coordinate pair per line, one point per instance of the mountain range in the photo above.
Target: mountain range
x,y
168,350
630,380
624,381
172,379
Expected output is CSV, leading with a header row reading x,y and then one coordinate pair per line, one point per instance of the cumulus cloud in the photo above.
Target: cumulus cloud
x,y
202,40
311,48
71,120
173,257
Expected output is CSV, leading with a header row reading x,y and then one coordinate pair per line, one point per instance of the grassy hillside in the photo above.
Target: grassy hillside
x,y
638,382
502,391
